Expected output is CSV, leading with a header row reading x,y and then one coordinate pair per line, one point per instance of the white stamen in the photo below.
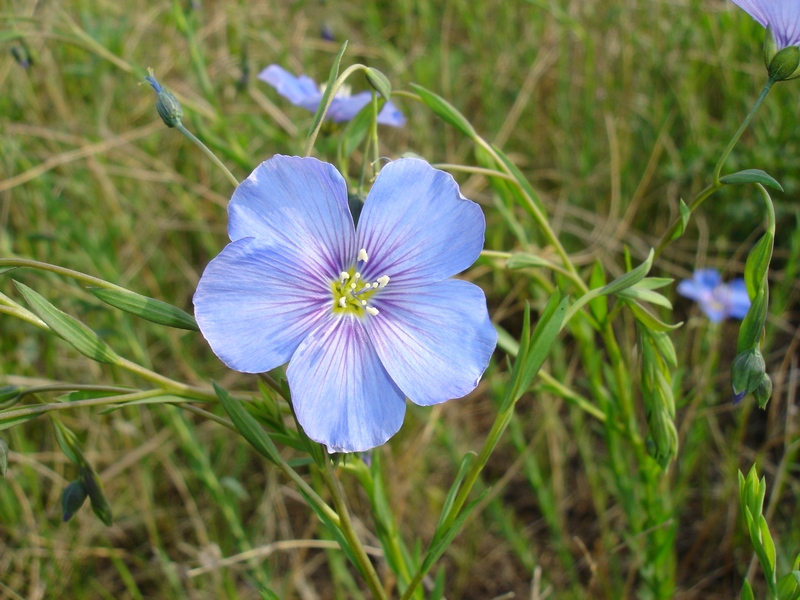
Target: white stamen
x,y
363,303
382,281
342,301
344,276
372,310
362,255
357,276
353,285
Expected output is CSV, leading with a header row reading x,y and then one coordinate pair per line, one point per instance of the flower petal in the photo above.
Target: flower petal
x,y
738,299
435,341
254,305
701,285
346,108
782,16
299,204
341,393
416,226
300,91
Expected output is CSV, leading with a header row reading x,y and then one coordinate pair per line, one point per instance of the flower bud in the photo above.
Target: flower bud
x,y
747,373
94,489
784,65
72,498
763,391
167,105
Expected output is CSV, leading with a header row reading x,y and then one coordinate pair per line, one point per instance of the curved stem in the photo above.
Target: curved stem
x,y
192,138
740,131
335,87
716,183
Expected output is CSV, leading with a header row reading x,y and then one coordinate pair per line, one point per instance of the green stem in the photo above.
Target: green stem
x,y
192,138
349,532
336,85
740,131
540,218
716,183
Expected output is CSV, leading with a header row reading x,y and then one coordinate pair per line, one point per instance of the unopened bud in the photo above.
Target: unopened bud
x,y
94,489
167,105
72,498
763,391
747,373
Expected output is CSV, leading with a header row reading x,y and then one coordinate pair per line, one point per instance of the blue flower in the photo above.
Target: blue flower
x,y
782,17
717,300
303,91
366,316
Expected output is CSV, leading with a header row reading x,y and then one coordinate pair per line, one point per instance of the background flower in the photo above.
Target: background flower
x,y
366,317
717,300
781,16
303,91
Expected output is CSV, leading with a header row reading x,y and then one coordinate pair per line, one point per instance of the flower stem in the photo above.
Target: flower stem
x,y
740,131
346,526
716,183
336,85
192,138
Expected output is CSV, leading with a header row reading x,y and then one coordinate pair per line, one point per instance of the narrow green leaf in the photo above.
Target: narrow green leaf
x,y
520,178
327,95
751,176
81,337
757,265
247,425
3,457
542,338
649,296
68,443
523,260
686,214
445,110
437,549
150,309
8,423
787,587
747,591
9,392
647,319
598,306
766,539
466,462
355,132
165,399
380,82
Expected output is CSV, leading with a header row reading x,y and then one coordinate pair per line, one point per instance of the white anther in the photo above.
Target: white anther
x,y
342,301
372,310
353,285
363,303
357,276
382,281
362,255
344,276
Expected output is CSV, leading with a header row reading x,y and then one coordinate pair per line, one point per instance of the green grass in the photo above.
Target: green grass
x,y
613,110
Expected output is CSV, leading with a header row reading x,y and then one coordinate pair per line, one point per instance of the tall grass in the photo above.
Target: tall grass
x,y
613,110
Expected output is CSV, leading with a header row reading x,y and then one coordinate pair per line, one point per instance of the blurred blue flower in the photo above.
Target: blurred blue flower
x,y
717,300
366,315
782,17
303,91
